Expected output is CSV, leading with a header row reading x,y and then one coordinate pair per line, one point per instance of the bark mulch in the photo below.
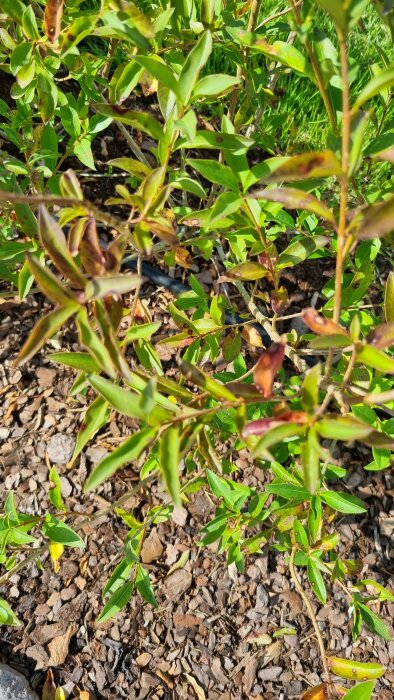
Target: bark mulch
x,y
213,635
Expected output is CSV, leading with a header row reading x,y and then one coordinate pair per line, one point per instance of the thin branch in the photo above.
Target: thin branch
x,y
265,323
312,616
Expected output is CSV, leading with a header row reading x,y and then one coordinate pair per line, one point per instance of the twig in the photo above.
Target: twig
x,y
312,616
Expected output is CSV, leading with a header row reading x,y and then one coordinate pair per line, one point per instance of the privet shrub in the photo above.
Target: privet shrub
x,y
197,88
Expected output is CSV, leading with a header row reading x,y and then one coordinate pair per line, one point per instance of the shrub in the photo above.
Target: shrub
x,y
206,180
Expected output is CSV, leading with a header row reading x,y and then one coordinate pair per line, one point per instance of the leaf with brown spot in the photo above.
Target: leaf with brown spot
x,y
321,325
247,271
267,366
296,199
53,18
300,167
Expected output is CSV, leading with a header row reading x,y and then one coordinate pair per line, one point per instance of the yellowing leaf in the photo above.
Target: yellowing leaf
x,y
346,668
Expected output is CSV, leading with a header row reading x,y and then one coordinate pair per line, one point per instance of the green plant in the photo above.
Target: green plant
x,y
300,401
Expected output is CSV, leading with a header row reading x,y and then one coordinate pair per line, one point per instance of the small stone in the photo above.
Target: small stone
x,y
143,659
60,448
14,686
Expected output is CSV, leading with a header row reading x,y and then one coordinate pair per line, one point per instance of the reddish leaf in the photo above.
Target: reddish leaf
x,y
53,18
280,300
75,236
322,325
54,242
261,426
267,366
382,336
296,199
92,256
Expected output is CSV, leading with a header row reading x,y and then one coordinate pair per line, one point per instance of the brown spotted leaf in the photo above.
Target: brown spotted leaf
x,y
53,18
321,325
267,366
296,199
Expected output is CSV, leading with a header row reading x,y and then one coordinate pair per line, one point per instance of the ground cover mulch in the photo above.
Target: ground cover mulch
x,y
212,635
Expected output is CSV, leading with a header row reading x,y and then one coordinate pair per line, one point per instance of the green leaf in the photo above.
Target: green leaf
x,y
375,624
383,593
42,331
77,360
117,601
310,388
247,271
389,298
289,492
90,340
118,577
58,531
100,287
129,165
300,535
215,172
310,458
169,462
300,250
127,452
361,691
143,585
209,384
276,435
55,494
344,13
83,150
95,417
296,199
216,139
21,56
371,357
279,51
54,242
316,580
7,616
145,330
49,284
195,60
161,71
215,85
234,495
343,428
376,85
139,120
343,502
126,402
